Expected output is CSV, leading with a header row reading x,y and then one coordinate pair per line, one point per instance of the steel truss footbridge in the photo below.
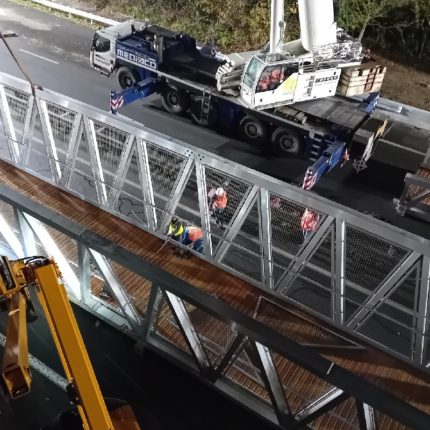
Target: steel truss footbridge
x,y
321,333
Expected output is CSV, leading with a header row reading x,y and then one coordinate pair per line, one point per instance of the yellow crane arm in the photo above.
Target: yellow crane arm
x,y
43,273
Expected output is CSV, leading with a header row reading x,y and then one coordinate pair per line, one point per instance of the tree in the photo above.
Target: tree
x,y
356,15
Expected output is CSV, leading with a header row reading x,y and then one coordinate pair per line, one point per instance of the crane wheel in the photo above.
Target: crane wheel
x,y
252,130
126,77
286,142
175,101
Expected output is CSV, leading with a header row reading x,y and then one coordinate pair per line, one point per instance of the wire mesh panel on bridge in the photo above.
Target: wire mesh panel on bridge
x,y
14,114
344,268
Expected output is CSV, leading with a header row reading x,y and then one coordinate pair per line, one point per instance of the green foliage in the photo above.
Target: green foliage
x,y
244,24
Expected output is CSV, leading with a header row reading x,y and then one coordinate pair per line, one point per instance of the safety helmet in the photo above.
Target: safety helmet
x,y
219,191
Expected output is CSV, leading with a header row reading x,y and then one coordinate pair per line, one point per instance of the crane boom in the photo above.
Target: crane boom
x,y
15,279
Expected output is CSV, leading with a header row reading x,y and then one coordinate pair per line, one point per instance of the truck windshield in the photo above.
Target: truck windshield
x,y
251,72
100,43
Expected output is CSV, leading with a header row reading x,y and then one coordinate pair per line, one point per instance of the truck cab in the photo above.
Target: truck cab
x,y
103,47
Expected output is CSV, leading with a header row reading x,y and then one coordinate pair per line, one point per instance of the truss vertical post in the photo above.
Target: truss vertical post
x,y
146,183
265,224
12,140
154,301
420,338
96,163
203,205
26,136
84,273
338,294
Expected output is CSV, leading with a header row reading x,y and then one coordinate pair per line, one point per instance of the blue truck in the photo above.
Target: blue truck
x,y
282,98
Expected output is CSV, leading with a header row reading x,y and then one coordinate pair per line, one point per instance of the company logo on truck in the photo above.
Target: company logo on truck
x,y
137,58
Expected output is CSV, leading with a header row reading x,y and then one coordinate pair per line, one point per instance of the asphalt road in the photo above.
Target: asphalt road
x,y
55,51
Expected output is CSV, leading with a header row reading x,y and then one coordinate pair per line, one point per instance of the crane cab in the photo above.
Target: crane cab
x,y
269,81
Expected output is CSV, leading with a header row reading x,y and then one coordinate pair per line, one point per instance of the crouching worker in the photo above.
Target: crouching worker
x,y
193,236
176,229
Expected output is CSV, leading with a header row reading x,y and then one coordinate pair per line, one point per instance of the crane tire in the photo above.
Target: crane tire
x,y
252,130
175,101
287,142
126,77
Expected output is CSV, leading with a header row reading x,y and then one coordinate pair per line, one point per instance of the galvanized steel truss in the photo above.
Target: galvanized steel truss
x,y
237,352
353,270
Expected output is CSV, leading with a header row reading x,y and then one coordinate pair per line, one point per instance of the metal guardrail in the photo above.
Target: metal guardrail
x,y
359,273
75,12
287,383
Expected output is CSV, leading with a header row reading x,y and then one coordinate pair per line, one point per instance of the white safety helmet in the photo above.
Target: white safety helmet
x,y
219,191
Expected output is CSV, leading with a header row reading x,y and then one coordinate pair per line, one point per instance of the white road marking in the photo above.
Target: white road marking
x,y
39,56
42,368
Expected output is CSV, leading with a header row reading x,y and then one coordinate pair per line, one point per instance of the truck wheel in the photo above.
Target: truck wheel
x,y
196,113
175,101
252,130
286,142
126,78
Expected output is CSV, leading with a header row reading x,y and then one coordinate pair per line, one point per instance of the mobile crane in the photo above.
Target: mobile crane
x,y
91,412
281,98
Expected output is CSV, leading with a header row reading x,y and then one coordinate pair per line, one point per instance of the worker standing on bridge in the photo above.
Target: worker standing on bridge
x,y
309,222
218,204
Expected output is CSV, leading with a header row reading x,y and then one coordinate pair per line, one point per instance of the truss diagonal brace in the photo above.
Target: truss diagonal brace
x,y
366,416
178,190
121,173
122,298
186,326
319,407
270,376
239,218
231,354
304,255
375,298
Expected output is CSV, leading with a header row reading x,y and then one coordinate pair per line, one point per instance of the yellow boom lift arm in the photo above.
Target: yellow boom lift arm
x,y
16,276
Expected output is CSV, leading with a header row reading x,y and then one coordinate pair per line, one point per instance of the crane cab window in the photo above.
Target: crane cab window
x,y
100,43
273,76
251,72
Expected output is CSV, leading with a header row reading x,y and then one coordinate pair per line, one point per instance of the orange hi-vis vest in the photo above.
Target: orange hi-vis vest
x,y
309,220
220,202
194,233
